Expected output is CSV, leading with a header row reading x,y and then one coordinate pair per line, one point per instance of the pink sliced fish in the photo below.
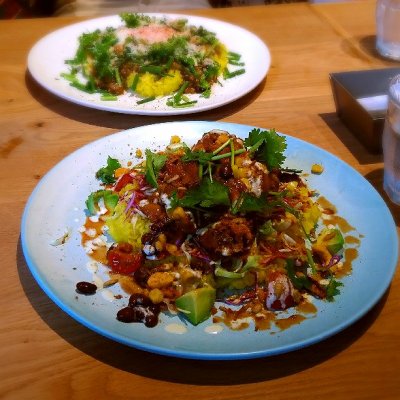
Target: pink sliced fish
x,y
153,33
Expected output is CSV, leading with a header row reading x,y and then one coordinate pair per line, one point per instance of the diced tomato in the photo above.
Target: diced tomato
x,y
123,181
123,260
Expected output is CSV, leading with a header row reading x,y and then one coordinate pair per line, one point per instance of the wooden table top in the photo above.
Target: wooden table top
x,y
47,355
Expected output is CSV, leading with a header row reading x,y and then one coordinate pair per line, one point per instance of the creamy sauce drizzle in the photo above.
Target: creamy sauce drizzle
x,y
177,329
107,295
213,329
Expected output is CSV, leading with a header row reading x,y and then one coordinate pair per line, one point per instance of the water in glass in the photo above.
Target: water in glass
x,y
388,28
391,143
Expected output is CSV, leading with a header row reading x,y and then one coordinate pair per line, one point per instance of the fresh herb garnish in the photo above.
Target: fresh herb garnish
x,y
300,281
179,100
332,289
146,100
154,163
201,156
249,203
267,147
133,20
108,97
266,228
106,174
207,194
231,74
107,64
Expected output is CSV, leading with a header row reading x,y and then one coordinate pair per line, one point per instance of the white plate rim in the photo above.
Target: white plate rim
x,y
42,74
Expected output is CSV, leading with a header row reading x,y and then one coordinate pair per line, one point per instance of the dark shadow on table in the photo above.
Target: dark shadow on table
x,y
121,121
368,45
185,371
358,150
375,178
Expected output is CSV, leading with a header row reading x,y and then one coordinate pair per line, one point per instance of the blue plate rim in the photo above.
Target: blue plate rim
x,y
192,354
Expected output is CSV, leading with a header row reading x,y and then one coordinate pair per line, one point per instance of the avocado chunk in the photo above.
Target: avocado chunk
x,y
109,197
196,305
332,239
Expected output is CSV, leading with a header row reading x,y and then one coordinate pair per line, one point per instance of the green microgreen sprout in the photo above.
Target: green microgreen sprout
x,y
146,100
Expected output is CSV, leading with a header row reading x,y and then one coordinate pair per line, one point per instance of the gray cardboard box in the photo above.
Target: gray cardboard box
x,y
350,89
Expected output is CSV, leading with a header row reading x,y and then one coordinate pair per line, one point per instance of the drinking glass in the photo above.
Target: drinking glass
x,y
388,28
391,143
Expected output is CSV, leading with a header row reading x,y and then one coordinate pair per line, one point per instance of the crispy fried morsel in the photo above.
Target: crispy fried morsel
x,y
214,139
154,212
176,175
228,236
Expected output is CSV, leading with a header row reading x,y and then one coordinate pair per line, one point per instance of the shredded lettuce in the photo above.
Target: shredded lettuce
x,y
128,230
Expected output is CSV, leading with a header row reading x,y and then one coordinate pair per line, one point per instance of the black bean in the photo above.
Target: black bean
x,y
86,288
126,314
141,276
138,299
154,308
139,313
151,320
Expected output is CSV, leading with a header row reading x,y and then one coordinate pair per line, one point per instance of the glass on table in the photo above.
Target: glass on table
x,y
388,28
391,143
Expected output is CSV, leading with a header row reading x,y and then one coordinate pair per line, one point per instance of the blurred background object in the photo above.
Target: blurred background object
x,y
109,7
42,8
10,9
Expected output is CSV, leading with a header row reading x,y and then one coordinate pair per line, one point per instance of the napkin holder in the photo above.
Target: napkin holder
x,y
361,103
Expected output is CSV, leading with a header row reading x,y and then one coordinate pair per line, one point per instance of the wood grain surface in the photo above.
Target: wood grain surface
x,y
45,354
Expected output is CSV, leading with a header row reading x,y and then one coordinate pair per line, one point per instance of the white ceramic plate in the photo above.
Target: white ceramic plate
x,y
57,204
46,61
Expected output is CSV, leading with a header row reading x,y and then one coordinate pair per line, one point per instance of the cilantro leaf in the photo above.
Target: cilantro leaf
x,y
249,203
154,163
267,146
207,194
332,289
106,174
299,282
266,228
200,156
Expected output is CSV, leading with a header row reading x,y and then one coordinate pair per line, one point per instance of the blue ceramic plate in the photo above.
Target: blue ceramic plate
x,y
57,206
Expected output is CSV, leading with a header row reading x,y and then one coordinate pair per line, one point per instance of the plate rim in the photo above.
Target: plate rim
x,y
106,106
157,349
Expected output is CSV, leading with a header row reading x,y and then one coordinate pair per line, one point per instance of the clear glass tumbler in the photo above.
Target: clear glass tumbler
x,y
391,143
388,28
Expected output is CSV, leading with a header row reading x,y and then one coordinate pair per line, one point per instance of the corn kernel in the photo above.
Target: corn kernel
x,y
175,139
242,173
162,238
139,153
159,246
156,296
171,248
178,213
317,169
239,160
160,280
120,171
292,186
246,182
